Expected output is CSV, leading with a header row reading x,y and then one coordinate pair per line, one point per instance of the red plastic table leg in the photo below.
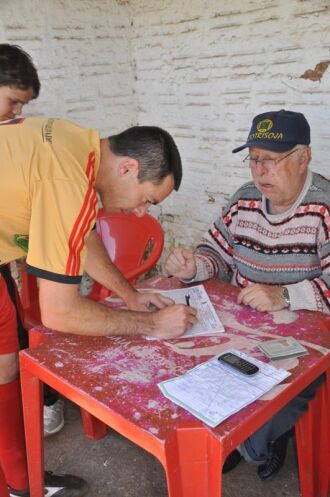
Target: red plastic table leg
x,y
93,427
192,464
313,445
33,421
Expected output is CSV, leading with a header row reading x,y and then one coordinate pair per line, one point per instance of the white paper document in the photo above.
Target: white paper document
x,y
208,320
213,391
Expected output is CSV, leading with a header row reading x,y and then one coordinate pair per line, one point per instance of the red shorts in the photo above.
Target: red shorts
x,y
8,326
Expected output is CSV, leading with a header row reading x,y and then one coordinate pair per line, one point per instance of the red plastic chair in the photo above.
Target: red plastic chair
x,y
28,299
133,243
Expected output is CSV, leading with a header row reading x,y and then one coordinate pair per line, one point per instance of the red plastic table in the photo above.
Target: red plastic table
x,y
115,380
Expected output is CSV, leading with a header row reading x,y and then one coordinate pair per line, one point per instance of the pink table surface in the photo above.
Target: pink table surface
x,y
124,372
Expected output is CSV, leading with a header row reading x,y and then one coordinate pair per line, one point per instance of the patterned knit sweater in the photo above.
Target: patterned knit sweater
x,y
248,245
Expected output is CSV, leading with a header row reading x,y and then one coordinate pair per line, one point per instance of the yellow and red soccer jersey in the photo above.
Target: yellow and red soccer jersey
x,y
48,204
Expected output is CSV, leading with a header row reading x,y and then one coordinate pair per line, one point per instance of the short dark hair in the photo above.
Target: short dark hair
x,y
154,149
17,69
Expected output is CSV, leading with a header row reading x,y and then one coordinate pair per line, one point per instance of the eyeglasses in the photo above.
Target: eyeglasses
x,y
267,163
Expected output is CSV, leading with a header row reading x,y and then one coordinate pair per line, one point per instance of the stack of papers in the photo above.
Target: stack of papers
x,y
282,347
213,391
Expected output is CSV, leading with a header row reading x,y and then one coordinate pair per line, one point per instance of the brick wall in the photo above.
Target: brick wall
x,y
83,55
201,69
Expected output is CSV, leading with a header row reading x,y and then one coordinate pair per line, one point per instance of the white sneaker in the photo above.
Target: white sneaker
x,y
53,418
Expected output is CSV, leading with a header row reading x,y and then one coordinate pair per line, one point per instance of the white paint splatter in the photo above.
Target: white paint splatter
x,y
59,364
132,377
284,316
286,363
152,404
274,391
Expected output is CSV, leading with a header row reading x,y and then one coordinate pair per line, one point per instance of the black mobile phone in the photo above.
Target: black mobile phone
x,y
238,363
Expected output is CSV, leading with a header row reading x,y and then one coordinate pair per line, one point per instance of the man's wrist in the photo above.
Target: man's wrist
x,y
188,280
286,296
128,294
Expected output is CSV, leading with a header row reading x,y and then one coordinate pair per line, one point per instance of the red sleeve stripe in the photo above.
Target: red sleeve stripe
x,y
83,222
79,241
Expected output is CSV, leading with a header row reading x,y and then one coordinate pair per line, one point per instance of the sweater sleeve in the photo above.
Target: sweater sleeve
x,y
314,295
205,270
214,253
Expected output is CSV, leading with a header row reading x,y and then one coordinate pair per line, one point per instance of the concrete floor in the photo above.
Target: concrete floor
x,y
115,467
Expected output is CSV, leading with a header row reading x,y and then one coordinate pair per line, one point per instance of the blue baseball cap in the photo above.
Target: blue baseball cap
x,y
278,131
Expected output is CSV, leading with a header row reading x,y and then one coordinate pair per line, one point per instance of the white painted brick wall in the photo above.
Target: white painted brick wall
x,y
201,69
83,55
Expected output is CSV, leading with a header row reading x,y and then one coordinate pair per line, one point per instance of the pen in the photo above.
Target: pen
x,y
187,299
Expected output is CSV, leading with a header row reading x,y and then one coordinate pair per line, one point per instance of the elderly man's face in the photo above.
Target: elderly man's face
x,y
281,178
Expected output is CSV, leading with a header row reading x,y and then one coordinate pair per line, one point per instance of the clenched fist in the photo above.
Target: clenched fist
x,y
181,263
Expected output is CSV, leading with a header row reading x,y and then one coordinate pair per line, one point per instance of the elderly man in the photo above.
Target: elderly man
x,y
272,240
51,173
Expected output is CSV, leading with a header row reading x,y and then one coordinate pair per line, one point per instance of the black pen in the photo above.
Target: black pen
x,y
187,299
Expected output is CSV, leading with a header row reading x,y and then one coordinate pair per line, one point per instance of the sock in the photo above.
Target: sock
x,y
246,455
12,440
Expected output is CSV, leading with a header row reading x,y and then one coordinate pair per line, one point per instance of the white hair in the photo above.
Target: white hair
x,y
301,148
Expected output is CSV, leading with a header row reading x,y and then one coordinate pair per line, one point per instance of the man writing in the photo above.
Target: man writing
x,y
273,241
51,172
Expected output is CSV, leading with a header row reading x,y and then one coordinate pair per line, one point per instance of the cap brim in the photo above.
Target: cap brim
x,y
267,145
238,149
